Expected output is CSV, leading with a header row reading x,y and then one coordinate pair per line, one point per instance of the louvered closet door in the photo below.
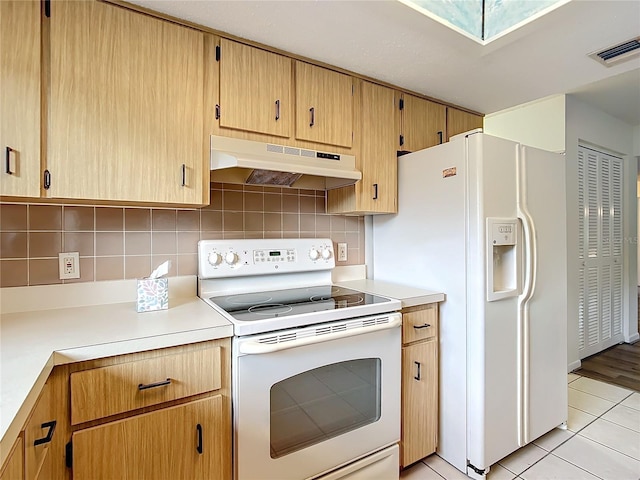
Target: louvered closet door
x,y
600,250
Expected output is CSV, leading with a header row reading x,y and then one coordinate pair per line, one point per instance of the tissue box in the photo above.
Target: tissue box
x,y
153,294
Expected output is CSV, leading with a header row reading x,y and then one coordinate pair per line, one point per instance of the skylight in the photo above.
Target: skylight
x,y
484,20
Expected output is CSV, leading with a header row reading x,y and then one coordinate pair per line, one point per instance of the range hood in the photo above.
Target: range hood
x,y
235,160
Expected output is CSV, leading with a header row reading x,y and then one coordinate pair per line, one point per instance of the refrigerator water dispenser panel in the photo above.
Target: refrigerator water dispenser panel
x,y
502,258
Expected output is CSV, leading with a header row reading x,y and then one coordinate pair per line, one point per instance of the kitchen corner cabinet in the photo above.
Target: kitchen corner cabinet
x,y
13,468
377,191
20,70
125,120
255,90
422,123
419,424
324,105
459,121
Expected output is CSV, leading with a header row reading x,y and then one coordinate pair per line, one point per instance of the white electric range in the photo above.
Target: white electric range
x,y
315,367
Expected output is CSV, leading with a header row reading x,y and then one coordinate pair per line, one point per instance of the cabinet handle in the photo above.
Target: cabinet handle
x,y
401,140
217,112
154,385
8,161
418,376
184,175
47,179
426,325
440,137
47,438
199,445
277,110
312,110
375,191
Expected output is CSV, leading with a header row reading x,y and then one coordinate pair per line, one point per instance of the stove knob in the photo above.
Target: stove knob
x,y
326,253
314,254
231,258
215,258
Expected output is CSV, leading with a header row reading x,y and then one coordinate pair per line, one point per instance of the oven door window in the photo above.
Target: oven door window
x,y
322,403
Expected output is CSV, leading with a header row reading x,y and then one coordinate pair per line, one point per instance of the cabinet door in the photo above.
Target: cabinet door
x,y
459,122
13,468
126,107
38,437
20,97
419,401
255,90
186,441
324,105
423,123
377,160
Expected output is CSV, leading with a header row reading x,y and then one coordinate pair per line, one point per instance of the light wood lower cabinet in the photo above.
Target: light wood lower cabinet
x,y
179,442
13,468
419,427
159,414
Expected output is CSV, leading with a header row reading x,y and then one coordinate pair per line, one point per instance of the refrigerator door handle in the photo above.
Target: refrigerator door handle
x,y
530,265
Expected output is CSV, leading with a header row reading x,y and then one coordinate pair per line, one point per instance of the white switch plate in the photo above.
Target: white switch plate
x,y
69,265
342,252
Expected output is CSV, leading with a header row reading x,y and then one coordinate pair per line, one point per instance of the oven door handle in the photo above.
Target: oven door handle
x,y
251,347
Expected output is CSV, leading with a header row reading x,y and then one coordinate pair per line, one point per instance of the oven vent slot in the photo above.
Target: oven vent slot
x,y
323,330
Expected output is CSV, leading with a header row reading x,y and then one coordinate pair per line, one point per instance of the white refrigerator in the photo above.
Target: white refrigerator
x,y
483,219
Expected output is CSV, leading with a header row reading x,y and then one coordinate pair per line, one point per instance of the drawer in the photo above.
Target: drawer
x,y
106,391
419,323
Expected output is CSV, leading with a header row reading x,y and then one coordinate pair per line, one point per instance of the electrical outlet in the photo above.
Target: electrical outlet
x,y
69,265
342,252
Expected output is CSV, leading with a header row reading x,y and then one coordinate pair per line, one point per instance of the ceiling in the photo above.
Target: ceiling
x,y
389,41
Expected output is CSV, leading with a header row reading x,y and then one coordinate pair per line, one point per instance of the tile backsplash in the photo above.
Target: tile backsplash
x,y
129,242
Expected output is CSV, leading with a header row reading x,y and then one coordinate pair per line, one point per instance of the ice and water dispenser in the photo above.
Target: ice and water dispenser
x,y
503,265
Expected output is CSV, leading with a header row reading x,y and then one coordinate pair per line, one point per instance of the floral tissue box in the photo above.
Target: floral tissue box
x,y
153,294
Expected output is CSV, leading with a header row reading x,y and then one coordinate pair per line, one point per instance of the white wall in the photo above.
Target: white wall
x,y
559,123
539,124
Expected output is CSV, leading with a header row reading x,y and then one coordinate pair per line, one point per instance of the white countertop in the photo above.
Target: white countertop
x,y
33,342
408,295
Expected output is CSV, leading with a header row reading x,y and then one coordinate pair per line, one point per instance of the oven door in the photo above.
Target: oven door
x,y
307,403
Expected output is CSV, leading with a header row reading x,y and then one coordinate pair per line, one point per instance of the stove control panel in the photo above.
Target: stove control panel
x,y
230,258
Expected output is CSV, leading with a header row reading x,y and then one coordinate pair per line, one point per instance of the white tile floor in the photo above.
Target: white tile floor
x,y
602,441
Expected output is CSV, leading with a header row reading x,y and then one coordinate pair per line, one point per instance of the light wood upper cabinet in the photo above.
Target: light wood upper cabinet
x,y
255,90
20,35
184,441
125,107
324,105
377,191
423,123
459,121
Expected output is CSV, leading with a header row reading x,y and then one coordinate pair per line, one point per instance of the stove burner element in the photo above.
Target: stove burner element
x,y
270,309
249,299
341,301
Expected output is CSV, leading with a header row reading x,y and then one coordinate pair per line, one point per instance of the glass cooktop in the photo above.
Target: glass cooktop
x,y
296,301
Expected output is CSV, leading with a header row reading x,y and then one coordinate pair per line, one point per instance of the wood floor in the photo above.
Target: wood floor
x,y
619,364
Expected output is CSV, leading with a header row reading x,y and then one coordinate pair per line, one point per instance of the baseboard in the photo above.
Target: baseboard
x,y
574,366
633,338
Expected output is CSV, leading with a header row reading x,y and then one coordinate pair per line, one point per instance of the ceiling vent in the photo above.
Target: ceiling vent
x,y
618,53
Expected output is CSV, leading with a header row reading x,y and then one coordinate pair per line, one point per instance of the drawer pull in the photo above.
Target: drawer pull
x,y
426,325
154,385
418,376
47,438
199,445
